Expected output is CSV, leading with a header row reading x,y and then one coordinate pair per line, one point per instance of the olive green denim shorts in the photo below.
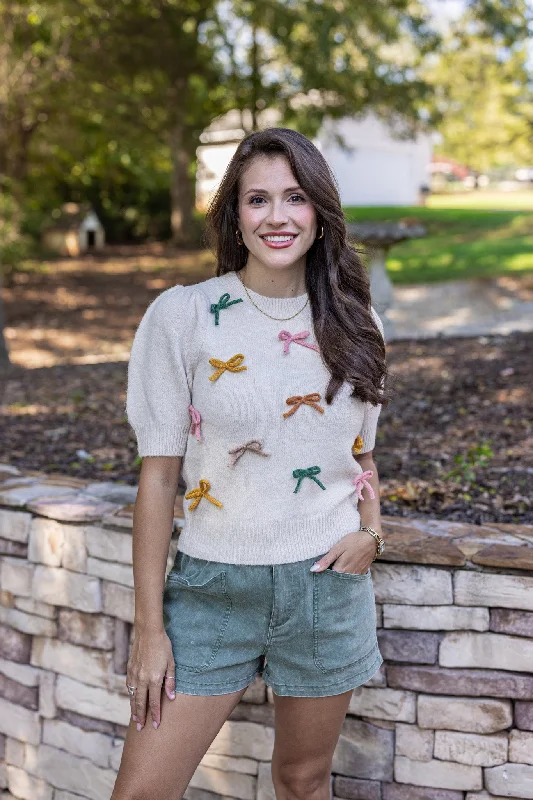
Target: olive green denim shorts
x,y
309,634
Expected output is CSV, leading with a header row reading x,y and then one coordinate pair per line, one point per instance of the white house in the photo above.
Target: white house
x,y
382,166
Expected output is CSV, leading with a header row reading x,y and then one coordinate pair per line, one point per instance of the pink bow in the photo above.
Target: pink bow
x,y
360,480
286,337
196,420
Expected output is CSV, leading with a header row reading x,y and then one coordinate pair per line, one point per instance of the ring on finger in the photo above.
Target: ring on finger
x,y
131,690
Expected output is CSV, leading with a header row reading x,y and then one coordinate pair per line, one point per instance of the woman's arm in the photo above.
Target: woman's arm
x,y
152,529
151,663
369,509
159,395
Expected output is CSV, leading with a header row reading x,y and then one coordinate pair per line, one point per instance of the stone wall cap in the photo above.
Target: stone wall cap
x,y
411,540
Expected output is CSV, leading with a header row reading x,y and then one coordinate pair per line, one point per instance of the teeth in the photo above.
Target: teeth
x,y
278,238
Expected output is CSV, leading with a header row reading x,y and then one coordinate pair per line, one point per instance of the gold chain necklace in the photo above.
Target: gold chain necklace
x,y
279,319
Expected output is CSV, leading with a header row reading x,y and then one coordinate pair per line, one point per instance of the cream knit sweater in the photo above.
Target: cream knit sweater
x,y
268,465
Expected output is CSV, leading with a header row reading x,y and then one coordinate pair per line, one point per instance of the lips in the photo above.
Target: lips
x,y
279,242
279,233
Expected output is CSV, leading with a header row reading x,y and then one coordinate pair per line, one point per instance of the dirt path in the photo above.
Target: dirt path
x,y
463,308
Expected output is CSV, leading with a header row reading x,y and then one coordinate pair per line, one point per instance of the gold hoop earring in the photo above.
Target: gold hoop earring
x,y
322,234
241,241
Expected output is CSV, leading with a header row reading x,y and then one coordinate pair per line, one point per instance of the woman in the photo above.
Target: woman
x,y
267,380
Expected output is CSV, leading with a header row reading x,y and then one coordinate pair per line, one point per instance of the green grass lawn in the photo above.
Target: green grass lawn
x,y
469,235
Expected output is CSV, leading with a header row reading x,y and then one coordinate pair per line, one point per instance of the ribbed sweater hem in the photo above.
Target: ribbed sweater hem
x,y
269,542
161,441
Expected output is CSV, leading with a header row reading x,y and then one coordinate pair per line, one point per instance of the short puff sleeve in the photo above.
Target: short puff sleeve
x,y
371,415
160,374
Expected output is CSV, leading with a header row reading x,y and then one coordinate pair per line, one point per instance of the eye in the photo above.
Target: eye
x,y
299,199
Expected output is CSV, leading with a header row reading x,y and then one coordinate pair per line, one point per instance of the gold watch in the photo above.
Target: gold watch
x,y
380,544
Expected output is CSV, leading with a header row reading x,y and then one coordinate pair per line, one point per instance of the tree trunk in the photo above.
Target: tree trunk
x,y
3,141
4,355
20,160
183,187
255,77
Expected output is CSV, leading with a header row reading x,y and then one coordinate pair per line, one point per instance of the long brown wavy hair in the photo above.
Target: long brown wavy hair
x,y
336,278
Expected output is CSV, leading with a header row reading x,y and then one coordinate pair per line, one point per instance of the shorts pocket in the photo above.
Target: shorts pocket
x,y
188,567
355,575
196,612
344,619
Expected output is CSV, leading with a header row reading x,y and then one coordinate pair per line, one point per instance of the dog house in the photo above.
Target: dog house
x,y
73,231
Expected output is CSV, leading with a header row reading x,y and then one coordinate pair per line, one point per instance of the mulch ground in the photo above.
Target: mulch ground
x,y
455,443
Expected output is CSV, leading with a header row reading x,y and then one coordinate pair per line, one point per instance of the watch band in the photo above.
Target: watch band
x,y
380,544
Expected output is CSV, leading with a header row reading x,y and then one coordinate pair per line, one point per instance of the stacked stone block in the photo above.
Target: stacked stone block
x,y
449,716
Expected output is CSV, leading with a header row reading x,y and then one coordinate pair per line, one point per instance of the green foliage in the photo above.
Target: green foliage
x,y
105,102
14,246
35,41
476,458
505,21
124,178
315,60
482,87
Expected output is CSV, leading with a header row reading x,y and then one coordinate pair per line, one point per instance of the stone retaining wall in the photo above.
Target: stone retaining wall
x,y
448,717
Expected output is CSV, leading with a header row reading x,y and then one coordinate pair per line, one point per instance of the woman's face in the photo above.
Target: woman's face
x,y
271,202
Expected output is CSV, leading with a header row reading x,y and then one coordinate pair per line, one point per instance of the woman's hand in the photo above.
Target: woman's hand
x,y
353,553
151,664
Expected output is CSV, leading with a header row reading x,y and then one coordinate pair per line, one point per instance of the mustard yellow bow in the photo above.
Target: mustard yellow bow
x,y
196,495
357,446
297,400
221,366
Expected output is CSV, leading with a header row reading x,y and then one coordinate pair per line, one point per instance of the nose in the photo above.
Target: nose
x,y
278,213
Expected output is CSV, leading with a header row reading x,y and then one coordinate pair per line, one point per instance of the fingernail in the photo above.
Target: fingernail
x,y
172,695
139,726
315,567
134,718
155,724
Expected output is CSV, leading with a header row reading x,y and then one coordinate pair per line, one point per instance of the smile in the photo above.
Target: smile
x,y
279,241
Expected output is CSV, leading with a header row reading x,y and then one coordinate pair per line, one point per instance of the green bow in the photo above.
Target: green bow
x,y
224,302
310,472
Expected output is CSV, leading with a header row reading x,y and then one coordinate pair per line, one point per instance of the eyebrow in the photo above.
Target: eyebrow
x,y
264,191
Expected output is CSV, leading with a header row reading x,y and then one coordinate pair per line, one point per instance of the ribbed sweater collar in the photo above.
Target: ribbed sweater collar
x,y
277,306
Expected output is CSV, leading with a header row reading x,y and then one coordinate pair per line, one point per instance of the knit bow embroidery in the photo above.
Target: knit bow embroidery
x,y
298,338
196,495
196,420
358,445
224,302
310,472
232,365
308,399
361,480
254,445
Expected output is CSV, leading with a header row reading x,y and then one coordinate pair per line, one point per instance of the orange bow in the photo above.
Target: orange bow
x,y
297,400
